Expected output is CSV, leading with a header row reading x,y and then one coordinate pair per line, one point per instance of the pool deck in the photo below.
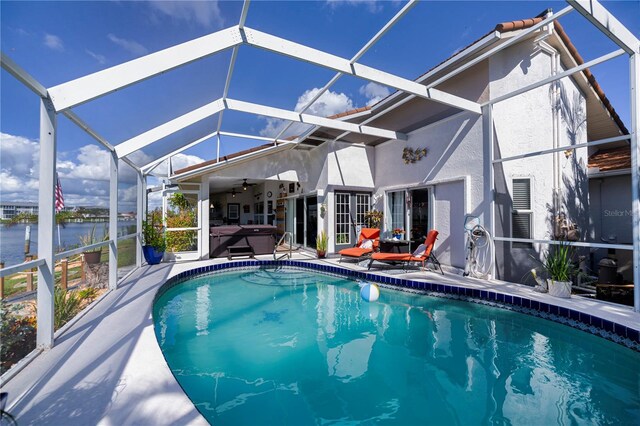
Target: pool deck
x,y
107,367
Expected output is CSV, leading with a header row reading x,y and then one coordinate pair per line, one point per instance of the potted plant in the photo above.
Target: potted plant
x,y
397,233
373,219
559,266
321,244
154,242
92,257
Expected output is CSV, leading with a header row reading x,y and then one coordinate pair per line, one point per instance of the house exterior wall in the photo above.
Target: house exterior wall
x,y
455,159
536,120
611,219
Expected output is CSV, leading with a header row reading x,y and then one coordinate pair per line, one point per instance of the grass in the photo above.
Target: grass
x,y
17,283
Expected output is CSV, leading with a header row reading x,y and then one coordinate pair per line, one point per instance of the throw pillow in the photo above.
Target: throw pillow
x,y
420,251
366,244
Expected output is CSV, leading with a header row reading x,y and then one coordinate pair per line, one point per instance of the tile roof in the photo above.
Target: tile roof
x,y
522,24
607,160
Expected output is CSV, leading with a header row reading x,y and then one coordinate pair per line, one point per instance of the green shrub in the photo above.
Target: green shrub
x,y
559,262
17,335
66,305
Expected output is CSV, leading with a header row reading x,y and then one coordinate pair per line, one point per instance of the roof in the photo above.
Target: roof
x,y
502,28
607,160
523,24
225,158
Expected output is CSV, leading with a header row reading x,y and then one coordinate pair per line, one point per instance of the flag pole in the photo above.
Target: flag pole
x,y
59,205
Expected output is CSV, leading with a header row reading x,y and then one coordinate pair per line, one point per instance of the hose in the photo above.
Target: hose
x,y
480,260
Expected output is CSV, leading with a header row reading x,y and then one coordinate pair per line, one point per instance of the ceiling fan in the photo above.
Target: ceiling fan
x,y
246,185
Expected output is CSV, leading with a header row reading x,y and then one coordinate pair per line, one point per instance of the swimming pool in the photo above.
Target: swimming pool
x,y
292,346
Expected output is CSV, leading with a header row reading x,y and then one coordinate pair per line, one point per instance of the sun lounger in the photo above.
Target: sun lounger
x,y
368,242
423,254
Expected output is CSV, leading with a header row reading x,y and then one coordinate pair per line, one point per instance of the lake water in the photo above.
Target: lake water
x,y
12,238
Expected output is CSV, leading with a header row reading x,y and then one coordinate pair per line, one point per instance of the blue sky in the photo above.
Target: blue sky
x,y
60,41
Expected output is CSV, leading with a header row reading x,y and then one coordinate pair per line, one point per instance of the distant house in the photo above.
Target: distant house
x,y
441,173
8,210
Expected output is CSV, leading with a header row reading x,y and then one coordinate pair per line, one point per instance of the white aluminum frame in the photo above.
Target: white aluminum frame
x,y
63,97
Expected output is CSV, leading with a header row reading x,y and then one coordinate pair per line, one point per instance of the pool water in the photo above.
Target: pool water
x,y
297,347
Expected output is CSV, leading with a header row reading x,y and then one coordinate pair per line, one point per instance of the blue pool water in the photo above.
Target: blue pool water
x,y
297,347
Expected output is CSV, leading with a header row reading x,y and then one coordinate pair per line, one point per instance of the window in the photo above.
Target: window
x,y
397,213
521,214
343,213
362,207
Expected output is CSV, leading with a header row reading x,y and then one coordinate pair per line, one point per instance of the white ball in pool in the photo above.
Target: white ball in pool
x,y
370,292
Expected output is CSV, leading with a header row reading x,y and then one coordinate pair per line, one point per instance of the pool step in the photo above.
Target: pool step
x,y
276,277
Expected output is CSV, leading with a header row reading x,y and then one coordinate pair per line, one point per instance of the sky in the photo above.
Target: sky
x,y
60,41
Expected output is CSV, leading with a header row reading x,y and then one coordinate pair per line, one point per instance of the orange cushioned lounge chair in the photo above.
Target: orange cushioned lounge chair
x,y
406,258
362,248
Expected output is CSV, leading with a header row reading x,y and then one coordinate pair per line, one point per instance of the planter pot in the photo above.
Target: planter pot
x,y
560,289
92,257
151,255
321,254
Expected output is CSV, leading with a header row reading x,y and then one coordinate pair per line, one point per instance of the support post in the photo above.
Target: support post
x,y
204,217
634,80
46,223
113,221
1,282
64,266
487,114
29,273
140,214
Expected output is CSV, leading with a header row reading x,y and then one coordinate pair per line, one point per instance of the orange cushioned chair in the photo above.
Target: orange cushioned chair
x,y
406,258
366,234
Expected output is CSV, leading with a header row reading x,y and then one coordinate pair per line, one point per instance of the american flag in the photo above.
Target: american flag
x,y
59,196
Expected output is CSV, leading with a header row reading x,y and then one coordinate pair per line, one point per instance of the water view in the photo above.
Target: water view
x,y
12,238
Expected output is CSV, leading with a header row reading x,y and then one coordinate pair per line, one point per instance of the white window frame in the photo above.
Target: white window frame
x,y
337,196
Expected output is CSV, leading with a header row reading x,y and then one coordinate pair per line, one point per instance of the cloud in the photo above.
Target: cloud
x,y
53,42
204,13
374,92
372,6
100,58
84,173
130,46
329,103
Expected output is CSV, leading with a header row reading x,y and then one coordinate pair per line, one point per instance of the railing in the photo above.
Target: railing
x,y
281,248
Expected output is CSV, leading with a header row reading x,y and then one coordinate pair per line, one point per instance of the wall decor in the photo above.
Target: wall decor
x,y
292,187
410,155
269,194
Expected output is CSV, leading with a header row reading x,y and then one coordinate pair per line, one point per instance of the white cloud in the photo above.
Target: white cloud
x,y
130,46
84,174
204,13
372,6
329,103
374,92
100,58
53,42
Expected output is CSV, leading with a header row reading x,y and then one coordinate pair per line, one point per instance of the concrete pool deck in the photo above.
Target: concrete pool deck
x,y
107,367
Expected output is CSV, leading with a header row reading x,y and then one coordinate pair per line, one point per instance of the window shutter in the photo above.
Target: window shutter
x,y
521,194
521,215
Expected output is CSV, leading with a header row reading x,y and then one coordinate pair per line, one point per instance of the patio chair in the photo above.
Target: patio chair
x,y
423,254
368,242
